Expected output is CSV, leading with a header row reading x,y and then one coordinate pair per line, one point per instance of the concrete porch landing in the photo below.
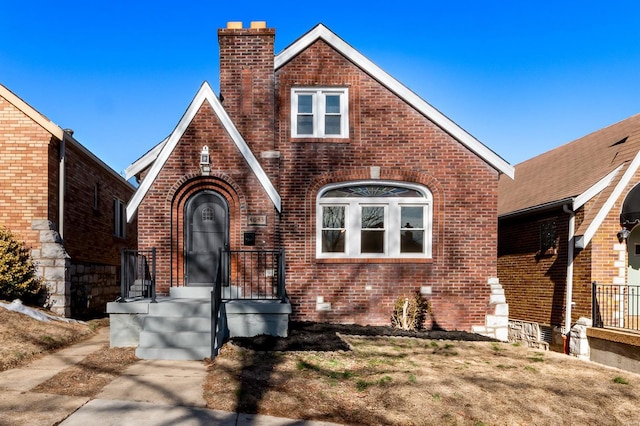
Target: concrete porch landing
x,y
178,327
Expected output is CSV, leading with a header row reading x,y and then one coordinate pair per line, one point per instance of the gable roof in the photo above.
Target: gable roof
x,y
160,154
55,130
595,167
446,124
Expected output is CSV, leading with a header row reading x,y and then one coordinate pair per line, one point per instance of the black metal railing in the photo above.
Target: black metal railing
x,y
245,275
252,275
138,274
616,306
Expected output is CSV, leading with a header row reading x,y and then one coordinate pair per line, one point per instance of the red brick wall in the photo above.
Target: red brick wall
x,y
385,132
535,282
388,133
24,165
88,231
29,180
160,215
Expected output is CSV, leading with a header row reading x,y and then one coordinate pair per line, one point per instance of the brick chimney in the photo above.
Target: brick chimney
x,y
247,81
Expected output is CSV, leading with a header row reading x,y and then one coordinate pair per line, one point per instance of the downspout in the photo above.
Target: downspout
x,y
61,183
569,292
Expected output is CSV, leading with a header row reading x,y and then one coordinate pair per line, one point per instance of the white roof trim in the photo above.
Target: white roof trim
x,y
320,31
598,187
54,129
204,94
145,161
583,240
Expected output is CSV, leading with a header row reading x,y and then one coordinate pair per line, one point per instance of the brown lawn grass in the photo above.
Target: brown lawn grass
x,y
23,338
407,381
381,380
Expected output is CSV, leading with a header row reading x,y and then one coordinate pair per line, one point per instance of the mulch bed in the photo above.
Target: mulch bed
x,y
313,336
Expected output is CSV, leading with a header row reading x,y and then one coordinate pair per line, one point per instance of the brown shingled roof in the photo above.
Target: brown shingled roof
x,y
571,169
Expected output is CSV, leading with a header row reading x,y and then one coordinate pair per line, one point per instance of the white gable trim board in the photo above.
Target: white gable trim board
x,y
583,240
204,94
322,32
144,161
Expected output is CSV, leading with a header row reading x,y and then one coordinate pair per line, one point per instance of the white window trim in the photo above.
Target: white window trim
x,y
392,220
319,111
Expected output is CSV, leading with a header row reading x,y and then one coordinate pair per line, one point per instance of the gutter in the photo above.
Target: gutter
x,y
538,209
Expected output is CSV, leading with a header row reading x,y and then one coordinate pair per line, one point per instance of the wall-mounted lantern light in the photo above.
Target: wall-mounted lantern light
x,y
204,161
623,234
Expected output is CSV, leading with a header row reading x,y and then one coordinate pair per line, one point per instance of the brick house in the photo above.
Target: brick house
x,y
569,221
66,205
319,151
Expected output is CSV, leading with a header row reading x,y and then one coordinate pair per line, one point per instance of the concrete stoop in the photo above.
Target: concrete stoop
x,y
180,330
179,327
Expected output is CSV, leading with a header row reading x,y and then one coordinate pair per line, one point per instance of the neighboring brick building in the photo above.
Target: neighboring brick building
x,y
373,193
561,228
64,203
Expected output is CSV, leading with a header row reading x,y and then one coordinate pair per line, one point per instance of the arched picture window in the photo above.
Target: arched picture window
x,y
374,219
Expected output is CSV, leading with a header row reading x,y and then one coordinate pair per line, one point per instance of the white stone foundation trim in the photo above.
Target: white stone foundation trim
x,y
578,343
497,322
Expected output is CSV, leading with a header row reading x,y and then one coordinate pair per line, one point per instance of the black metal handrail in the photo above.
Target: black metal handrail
x,y
253,274
615,306
138,274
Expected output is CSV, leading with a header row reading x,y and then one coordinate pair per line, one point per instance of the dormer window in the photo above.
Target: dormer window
x,y
319,112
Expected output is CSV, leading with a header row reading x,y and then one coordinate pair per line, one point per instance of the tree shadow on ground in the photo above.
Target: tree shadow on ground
x,y
312,336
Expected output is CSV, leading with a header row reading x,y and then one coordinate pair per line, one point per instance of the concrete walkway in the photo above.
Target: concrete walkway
x,y
147,393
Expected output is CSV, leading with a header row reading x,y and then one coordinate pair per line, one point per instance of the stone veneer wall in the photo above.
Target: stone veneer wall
x,y
92,287
79,290
53,264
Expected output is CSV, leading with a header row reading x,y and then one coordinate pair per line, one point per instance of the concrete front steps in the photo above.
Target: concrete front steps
x,y
179,330
178,327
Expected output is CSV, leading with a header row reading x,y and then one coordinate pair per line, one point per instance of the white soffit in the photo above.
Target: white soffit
x,y
204,94
322,32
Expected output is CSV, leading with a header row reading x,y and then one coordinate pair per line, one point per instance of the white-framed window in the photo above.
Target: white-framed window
x,y
119,218
374,219
320,112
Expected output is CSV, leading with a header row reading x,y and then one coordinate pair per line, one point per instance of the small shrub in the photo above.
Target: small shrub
x,y
362,385
620,380
18,278
408,312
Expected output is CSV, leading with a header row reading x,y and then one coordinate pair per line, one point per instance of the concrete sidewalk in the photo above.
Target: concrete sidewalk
x,y
147,393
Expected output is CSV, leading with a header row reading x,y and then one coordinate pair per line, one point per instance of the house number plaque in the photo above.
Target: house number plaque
x,y
257,220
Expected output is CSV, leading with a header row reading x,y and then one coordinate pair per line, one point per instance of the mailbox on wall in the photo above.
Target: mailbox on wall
x,y
249,238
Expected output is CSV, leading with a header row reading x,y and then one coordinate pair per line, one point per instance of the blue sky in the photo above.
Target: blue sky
x,y
522,77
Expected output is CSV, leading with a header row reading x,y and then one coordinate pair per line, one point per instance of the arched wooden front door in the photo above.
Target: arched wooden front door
x,y
206,231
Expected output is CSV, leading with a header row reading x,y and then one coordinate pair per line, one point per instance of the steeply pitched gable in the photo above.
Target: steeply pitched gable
x,y
322,32
205,94
595,167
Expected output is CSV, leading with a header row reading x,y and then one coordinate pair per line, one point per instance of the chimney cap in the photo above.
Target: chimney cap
x,y
234,25
258,25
